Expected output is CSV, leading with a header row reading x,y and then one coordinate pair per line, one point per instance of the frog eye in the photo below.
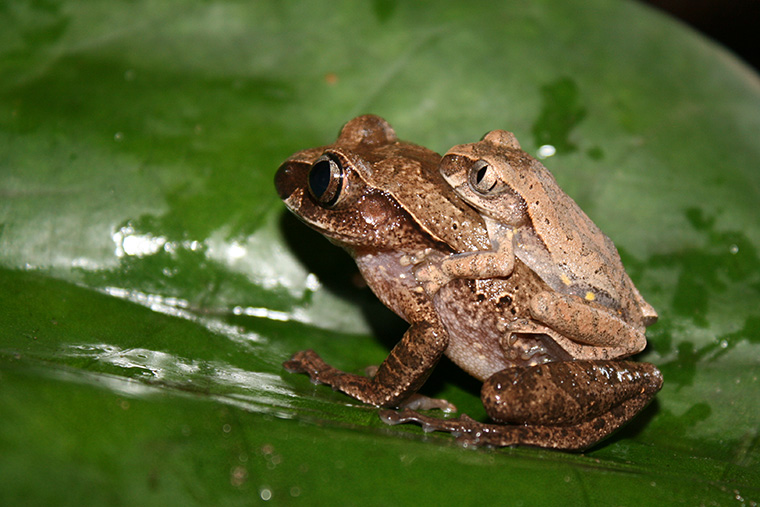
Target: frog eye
x,y
483,178
326,180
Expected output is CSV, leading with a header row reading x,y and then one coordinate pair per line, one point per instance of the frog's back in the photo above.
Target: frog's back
x,y
569,251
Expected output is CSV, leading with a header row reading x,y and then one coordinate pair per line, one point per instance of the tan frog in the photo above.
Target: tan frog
x,y
387,204
591,300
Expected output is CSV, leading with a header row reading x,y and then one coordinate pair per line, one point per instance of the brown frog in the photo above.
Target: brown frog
x,y
387,204
590,299
351,191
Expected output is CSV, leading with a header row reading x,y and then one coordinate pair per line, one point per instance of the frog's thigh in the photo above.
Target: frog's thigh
x,y
566,393
574,318
621,401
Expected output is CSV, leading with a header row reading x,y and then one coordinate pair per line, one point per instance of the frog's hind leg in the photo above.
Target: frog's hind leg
x,y
569,438
558,346
573,317
551,404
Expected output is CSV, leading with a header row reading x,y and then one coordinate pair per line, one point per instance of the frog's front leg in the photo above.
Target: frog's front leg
x,y
401,374
562,405
574,318
498,263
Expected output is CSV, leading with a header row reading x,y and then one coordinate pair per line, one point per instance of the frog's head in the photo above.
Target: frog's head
x,y
490,175
370,190
325,186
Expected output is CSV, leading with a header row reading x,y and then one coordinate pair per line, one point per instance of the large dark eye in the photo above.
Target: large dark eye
x,y
326,180
483,178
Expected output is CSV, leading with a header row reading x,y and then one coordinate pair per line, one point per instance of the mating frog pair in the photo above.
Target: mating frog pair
x,y
490,263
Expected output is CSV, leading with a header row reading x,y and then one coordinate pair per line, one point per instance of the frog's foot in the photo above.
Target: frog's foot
x,y
431,277
572,317
459,426
528,343
468,431
357,386
421,402
309,362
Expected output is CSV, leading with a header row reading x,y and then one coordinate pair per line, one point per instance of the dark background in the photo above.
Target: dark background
x,y
733,23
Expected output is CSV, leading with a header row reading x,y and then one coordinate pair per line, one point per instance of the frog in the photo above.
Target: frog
x,y
383,201
587,303
591,300
386,202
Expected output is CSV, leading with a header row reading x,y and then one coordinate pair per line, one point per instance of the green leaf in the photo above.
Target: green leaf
x,y
151,283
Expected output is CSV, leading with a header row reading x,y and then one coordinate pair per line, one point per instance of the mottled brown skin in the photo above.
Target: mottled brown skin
x,y
565,417
393,214
385,241
591,300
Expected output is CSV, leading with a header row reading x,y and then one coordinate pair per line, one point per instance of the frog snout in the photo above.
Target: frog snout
x,y
285,180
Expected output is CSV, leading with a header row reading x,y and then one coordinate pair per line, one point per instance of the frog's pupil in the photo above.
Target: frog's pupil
x,y
482,180
319,178
481,174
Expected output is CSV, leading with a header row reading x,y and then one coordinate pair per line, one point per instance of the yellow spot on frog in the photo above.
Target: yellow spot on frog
x,y
590,296
565,279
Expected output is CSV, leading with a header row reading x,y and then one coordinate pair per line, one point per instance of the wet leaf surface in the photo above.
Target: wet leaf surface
x,y
152,283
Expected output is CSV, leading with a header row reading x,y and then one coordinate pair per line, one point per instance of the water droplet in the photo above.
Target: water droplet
x,y
546,151
118,137
265,494
734,249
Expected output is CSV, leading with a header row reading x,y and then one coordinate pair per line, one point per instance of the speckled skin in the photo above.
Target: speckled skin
x,y
566,417
394,214
386,240
589,299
